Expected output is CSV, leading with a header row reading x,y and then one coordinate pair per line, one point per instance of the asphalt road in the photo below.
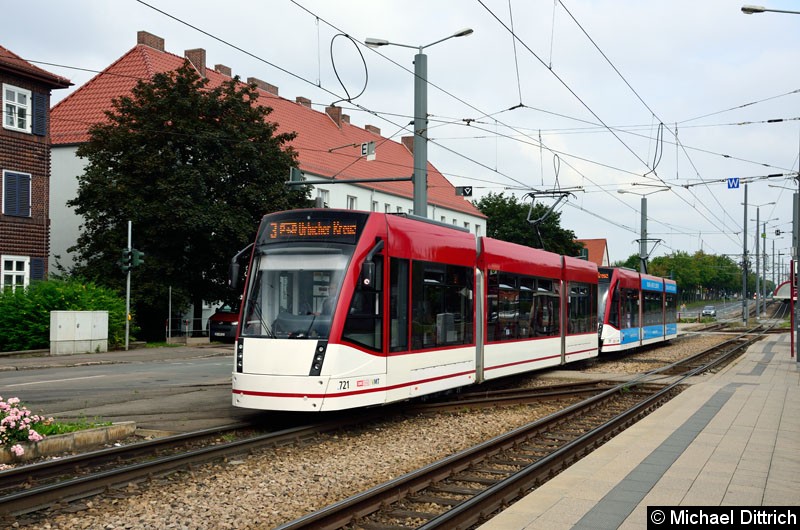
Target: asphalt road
x,y
174,389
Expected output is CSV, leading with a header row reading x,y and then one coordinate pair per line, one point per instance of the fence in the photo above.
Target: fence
x,y
186,330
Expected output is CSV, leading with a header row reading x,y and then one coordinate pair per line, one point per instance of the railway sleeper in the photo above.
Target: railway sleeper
x,y
411,514
495,471
380,526
456,490
475,479
432,499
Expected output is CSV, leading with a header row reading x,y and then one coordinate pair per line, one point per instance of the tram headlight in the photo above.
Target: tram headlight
x,y
240,356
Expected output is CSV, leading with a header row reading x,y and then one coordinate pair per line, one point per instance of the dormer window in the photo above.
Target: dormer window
x,y
17,106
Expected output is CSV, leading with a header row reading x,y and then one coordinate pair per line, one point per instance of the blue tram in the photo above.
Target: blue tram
x,y
635,309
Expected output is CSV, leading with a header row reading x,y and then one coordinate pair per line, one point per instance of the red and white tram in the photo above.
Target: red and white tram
x,y
345,309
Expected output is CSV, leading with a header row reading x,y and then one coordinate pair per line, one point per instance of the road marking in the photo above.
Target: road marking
x,y
56,380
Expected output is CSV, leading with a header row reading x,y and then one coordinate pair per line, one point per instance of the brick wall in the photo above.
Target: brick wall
x,y
27,153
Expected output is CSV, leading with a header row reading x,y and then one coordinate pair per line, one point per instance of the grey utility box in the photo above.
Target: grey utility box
x,y
78,332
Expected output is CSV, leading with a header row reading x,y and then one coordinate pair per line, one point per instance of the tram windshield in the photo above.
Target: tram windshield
x,y
293,290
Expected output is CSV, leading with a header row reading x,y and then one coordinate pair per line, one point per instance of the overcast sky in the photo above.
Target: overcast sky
x,y
574,102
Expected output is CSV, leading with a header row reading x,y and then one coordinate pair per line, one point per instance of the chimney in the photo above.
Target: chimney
x,y
373,129
197,57
303,101
263,85
345,118
148,39
224,70
408,141
336,114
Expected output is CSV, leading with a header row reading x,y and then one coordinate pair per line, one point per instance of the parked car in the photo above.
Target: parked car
x,y
223,324
709,311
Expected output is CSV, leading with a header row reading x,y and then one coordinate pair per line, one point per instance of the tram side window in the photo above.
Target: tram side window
x,y
613,315
653,308
398,305
521,306
527,288
546,314
508,305
365,315
582,299
442,302
671,305
630,308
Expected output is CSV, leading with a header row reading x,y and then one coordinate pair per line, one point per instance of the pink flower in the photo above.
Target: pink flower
x,y
17,450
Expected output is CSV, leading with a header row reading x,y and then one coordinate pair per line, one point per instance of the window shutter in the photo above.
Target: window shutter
x,y
37,269
17,194
40,111
10,194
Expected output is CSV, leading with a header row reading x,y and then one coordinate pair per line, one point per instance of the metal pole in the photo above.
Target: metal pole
x,y
764,255
758,259
744,261
795,240
643,241
421,134
128,295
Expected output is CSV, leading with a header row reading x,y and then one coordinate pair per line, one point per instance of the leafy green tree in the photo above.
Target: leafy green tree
x,y
194,169
507,220
25,313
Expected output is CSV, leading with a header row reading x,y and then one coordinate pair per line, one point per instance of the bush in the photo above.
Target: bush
x,y
17,424
25,313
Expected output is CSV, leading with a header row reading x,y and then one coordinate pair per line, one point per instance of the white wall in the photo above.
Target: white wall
x,y
64,222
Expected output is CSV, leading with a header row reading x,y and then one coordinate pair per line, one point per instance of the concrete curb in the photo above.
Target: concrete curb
x,y
73,441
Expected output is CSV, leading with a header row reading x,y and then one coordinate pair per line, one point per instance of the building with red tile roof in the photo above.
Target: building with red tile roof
x,y
597,250
24,169
329,146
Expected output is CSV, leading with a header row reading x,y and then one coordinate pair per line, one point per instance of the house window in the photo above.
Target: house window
x,y
387,208
374,206
466,225
352,203
14,271
16,108
443,219
16,194
325,196
399,209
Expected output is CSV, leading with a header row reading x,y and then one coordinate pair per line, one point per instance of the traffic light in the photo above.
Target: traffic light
x,y
137,257
126,260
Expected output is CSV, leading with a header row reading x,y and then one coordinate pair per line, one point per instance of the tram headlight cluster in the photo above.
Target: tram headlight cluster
x,y
240,356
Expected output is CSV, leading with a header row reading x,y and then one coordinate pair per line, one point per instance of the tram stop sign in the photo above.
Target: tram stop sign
x,y
464,191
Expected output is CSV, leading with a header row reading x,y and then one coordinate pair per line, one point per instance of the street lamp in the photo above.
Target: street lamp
x,y
749,10
420,117
758,250
643,237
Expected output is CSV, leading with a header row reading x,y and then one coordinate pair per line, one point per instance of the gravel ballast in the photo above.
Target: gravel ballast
x,y
280,485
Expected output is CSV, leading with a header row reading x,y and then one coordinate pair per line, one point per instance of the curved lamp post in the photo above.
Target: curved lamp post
x,y
420,117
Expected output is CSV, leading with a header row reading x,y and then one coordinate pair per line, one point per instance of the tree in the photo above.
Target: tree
x,y
508,221
194,169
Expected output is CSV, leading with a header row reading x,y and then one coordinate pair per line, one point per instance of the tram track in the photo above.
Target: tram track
x,y
33,487
58,482
466,488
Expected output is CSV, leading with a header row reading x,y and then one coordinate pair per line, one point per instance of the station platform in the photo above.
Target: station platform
x,y
731,439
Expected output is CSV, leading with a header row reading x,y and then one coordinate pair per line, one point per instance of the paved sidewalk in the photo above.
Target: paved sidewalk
x,y
731,439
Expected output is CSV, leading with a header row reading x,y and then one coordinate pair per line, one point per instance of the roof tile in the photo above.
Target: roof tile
x,y
319,140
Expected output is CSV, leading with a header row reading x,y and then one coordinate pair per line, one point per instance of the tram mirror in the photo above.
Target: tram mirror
x,y
368,275
233,274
